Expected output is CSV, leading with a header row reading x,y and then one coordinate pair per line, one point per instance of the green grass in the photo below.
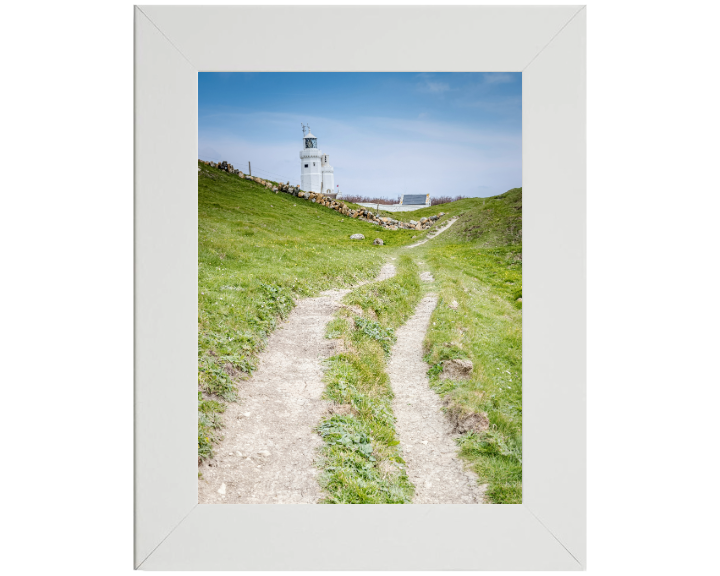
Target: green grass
x,y
491,222
260,251
484,277
257,252
360,461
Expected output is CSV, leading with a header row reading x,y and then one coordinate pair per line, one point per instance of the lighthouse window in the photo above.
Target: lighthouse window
x,y
306,165
313,163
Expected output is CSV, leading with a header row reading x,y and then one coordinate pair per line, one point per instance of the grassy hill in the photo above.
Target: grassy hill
x,y
477,264
260,251
257,252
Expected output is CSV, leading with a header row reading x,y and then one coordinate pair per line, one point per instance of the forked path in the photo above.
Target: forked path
x,y
425,435
269,451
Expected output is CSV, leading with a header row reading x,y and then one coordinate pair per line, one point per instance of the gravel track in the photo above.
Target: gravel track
x,y
269,452
425,435
433,234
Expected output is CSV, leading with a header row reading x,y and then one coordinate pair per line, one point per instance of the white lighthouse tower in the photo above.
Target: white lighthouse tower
x,y
316,174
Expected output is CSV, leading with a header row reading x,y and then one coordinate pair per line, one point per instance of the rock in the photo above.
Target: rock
x,y
456,369
413,223
423,220
221,490
357,237
418,226
453,305
464,420
392,227
378,242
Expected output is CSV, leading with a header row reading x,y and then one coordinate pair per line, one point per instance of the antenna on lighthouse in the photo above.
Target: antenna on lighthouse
x,y
305,127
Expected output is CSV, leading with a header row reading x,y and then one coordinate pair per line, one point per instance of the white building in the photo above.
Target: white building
x,y
408,203
316,174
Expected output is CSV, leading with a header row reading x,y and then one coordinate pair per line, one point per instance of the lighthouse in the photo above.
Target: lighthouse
x,y
316,173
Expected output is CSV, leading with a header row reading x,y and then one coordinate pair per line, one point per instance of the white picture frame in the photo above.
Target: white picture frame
x,y
547,531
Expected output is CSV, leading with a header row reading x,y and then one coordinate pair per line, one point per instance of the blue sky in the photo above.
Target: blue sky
x,y
386,133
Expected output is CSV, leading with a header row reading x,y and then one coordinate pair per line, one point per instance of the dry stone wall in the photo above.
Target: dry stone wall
x,y
332,203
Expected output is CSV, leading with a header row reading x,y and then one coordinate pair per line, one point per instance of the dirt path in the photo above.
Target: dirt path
x,y
425,436
268,455
432,235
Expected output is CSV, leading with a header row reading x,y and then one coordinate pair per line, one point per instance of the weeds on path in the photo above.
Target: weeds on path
x,y
360,461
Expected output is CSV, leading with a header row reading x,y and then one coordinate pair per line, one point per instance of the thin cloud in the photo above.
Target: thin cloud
x,y
434,87
378,156
430,86
498,78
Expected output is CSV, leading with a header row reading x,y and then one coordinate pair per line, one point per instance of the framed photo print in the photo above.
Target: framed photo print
x,y
331,289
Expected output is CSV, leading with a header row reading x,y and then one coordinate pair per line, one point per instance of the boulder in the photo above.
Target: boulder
x,y
378,242
456,369
413,223
392,227
357,237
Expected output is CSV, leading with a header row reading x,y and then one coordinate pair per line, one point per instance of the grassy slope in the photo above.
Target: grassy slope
x,y
360,460
477,263
257,251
